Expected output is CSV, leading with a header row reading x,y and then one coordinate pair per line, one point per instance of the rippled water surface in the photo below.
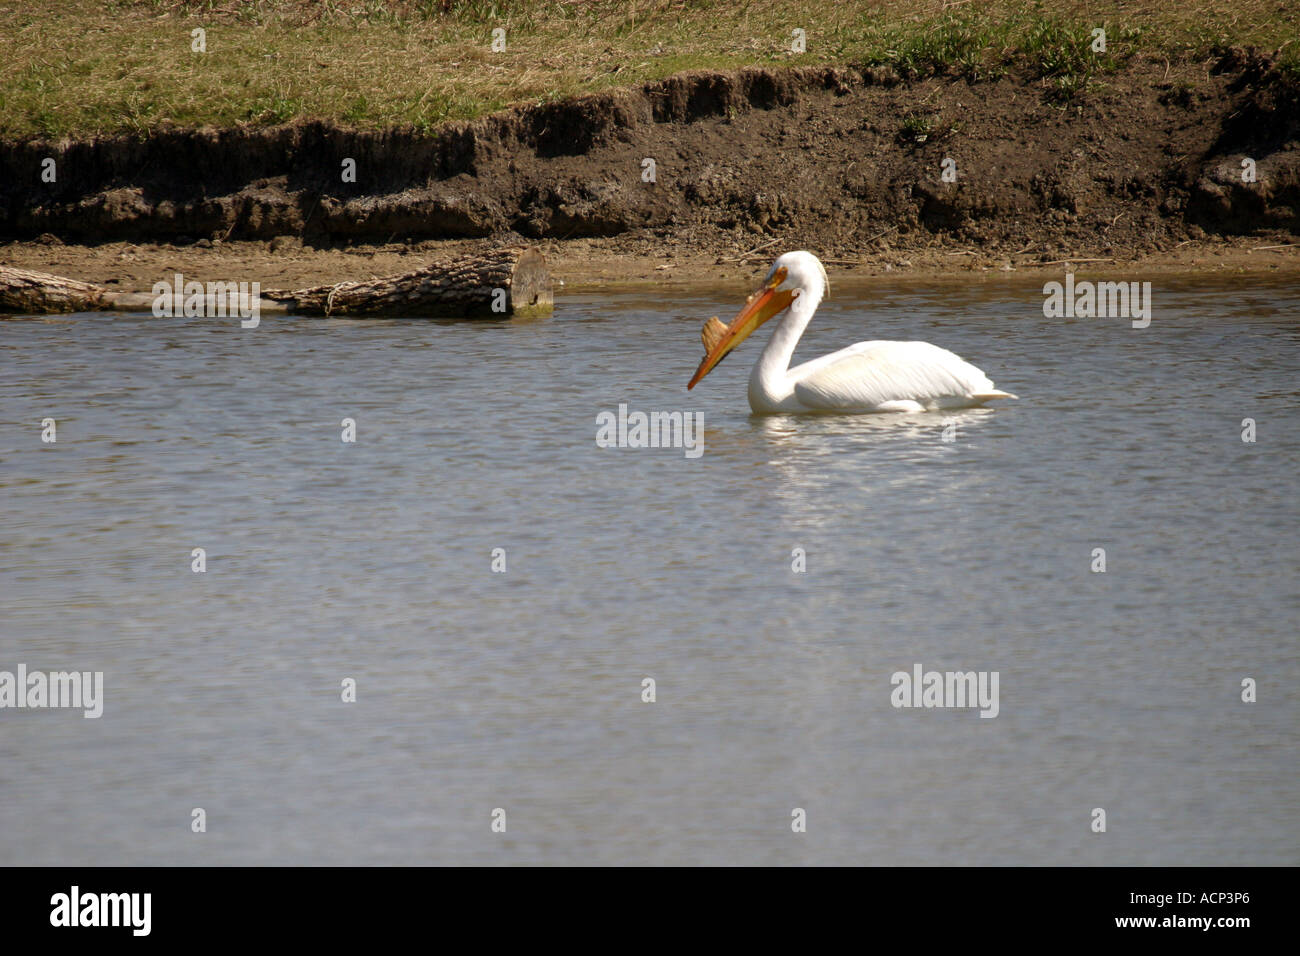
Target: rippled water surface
x,y
478,690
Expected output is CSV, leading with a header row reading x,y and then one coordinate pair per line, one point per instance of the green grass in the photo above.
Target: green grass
x,y
68,68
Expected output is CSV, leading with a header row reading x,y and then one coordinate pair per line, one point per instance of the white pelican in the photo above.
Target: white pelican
x,y
867,377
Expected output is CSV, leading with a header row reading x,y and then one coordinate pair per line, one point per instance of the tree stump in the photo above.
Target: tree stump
x,y
508,281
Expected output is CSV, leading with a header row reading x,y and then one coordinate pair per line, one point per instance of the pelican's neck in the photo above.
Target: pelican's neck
x,y
768,382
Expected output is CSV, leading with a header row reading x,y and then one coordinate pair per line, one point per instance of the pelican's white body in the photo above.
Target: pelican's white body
x,y
867,377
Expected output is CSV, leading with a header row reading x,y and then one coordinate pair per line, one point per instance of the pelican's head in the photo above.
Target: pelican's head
x,y
792,275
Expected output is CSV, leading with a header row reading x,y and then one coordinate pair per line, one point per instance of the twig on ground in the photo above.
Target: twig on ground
x,y
1057,262
745,255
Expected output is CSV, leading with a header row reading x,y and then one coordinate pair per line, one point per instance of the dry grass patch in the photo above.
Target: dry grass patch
x,y
70,68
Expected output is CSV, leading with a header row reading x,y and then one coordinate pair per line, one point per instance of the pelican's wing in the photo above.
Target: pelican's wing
x,y
892,376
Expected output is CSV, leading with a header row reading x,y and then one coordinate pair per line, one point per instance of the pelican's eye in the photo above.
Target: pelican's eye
x,y
778,277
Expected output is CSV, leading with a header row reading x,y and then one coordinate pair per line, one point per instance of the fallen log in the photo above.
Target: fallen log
x,y
23,292
508,281
38,293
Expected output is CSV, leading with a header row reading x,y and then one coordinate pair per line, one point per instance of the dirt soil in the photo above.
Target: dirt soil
x,y
1144,170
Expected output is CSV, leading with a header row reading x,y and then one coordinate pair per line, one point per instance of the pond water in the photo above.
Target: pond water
x,y
522,690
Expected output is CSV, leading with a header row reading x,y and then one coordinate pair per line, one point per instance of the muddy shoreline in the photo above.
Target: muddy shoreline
x,y
587,264
1143,171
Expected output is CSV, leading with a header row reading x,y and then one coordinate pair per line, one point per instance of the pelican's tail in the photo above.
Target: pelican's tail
x,y
995,393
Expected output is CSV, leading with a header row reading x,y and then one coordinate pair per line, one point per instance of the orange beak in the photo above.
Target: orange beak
x,y
759,307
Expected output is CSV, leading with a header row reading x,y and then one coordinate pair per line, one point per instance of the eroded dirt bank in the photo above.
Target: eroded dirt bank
x,y
1147,167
